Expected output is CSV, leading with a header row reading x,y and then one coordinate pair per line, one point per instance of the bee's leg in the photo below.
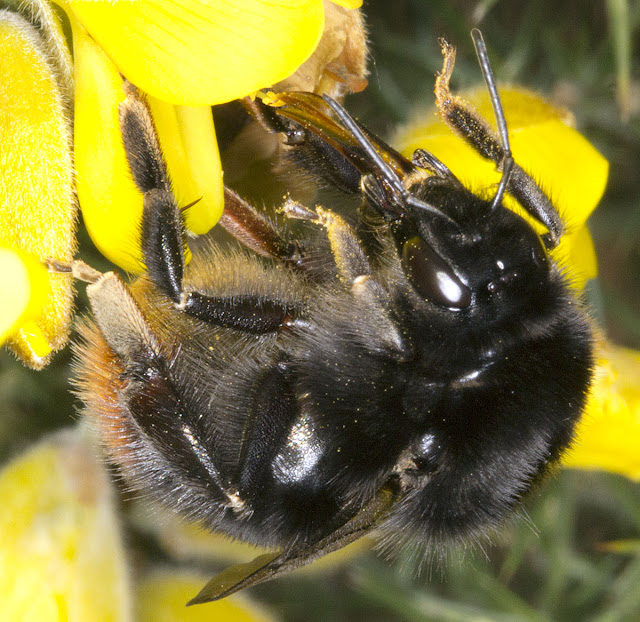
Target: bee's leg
x,y
249,313
349,255
149,424
466,122
252,229
171,432
163,226
163,234
384,336
322,161
77,268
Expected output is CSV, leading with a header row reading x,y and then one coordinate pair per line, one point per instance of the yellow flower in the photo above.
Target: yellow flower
x,y
186,55
574,174
609,435
61,551
37,205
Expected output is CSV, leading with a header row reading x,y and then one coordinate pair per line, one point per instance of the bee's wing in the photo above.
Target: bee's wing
x,y
314,114
271,565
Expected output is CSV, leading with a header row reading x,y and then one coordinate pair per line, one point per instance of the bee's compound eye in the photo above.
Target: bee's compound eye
x,y
432,277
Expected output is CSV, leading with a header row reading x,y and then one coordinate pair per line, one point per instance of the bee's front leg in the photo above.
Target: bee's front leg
x,y
348,253
163,234
249,227
380,332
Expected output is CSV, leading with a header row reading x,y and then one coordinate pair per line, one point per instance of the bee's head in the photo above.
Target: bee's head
x,y
458,250
464,254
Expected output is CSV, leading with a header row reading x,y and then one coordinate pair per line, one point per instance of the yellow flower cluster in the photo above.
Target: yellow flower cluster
x,y
186,55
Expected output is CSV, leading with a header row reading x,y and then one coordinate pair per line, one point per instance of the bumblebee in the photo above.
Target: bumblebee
x,y
412,370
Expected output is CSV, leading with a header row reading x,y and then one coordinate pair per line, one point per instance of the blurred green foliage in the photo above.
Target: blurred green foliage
x,y
553,565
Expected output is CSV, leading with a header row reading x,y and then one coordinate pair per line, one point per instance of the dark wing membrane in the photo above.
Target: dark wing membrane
x,y
272,565
314,114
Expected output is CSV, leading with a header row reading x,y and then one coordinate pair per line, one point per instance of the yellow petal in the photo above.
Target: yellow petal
x,y
543,142
111,204
202,52
582,256
202,156
577,253
61,555
190,149
348,4
35,346
162,597
43,16
608,436
15,291
37,207
24,290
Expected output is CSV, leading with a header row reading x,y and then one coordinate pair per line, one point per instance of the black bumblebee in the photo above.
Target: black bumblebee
x,y
413,373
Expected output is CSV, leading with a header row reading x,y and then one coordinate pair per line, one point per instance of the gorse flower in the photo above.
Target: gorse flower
x,y
186,56
37,209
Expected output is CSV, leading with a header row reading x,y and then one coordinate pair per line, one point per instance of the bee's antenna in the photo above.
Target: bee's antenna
x,y
388,174
490,81
350,123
